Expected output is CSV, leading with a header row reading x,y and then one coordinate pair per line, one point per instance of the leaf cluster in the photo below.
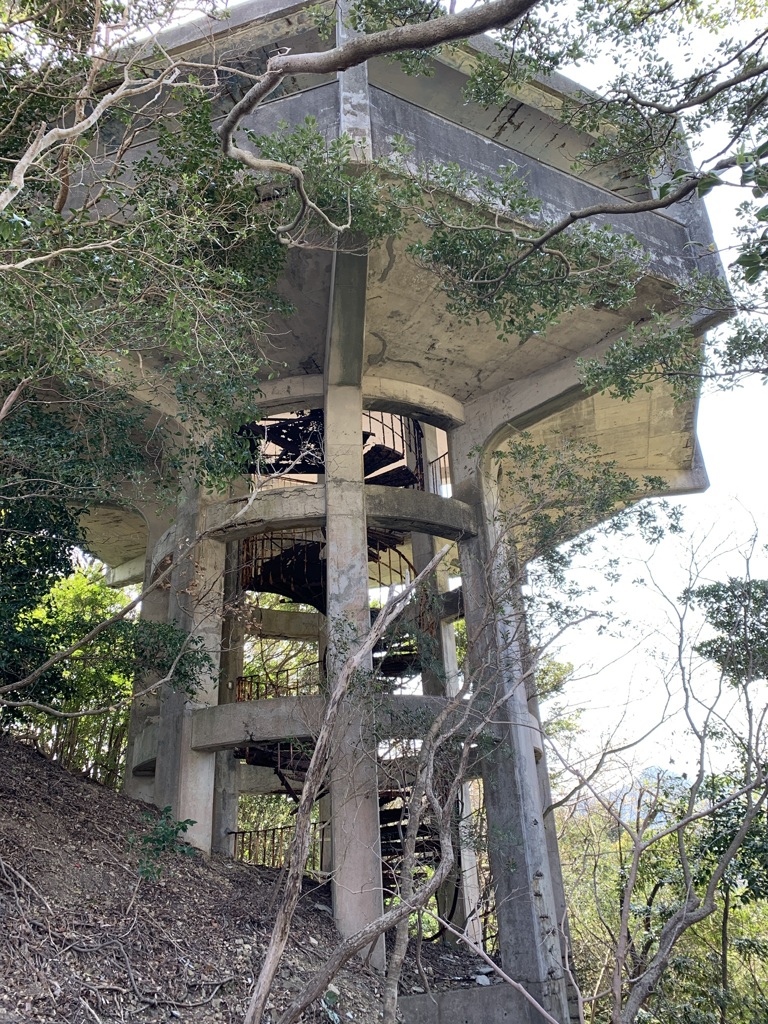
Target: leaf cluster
x,y
162,838
37,538
551,493
482,246
738,613
165,295
44,610
342,188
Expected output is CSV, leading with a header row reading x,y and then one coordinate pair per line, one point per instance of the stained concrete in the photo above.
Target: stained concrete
x,y
373,331
356,886
495,1004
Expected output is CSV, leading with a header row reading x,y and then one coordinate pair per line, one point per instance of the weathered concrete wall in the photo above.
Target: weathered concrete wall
x,y
495,1004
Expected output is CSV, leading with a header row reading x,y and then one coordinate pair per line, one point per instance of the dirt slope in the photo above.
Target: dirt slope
x,y
84,939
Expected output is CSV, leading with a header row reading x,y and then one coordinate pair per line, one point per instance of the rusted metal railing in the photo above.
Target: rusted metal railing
x,y
268,847
440,476
401,434
299,681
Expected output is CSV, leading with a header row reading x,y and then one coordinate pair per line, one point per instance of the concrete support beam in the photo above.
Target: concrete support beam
x,y
306,506
498,1004
225,789
280,509
547,391
526,906
185,777
402,716
356,883
129,572
285,625
306,392
261,721
354,106
139,782
415,400
396,509
257,781
286,394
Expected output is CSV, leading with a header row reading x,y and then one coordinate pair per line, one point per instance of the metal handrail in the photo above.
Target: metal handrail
x,y
287,682
440,476
268,847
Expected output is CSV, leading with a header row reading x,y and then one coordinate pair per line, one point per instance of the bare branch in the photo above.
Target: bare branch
x,y
312,785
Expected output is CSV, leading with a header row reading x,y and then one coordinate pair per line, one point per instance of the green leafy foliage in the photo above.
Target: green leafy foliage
x,y
746,877
37,537
753,259
98,677
482,246
162,838
552,493
267,811
89,692
534,46
661,350
552,677
597,862
738,613
375,15
341,188
175,276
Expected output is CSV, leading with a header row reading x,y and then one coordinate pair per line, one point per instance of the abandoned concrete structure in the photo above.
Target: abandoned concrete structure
x,y
377,423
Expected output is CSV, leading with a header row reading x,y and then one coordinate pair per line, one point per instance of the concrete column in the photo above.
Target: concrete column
x,y
470,877
357,892
458,898
353,99
184,777
226,791
142,731
439,677
326,845
526,907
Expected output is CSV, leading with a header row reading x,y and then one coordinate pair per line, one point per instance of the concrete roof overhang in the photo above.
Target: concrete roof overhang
x,y
411,336
419,358
115,534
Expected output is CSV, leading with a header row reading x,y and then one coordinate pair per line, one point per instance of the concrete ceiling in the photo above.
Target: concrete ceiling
x,y
114,534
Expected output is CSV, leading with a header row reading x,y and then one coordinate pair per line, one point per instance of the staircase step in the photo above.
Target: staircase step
x,y
398,666
379,456
400,476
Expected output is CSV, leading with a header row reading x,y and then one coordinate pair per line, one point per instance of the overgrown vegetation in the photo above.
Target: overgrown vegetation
x,y
142,239
163,836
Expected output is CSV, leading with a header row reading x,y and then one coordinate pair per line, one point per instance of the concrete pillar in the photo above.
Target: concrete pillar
x,y
439,677
526,908
458,897
353,99
145,710
226,792
470,877
184,778
324,829
357,892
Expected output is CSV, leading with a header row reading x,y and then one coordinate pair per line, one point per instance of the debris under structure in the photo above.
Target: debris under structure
x,y
369,453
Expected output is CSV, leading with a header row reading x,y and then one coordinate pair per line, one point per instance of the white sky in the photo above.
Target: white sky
x,y
619,680
620,688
